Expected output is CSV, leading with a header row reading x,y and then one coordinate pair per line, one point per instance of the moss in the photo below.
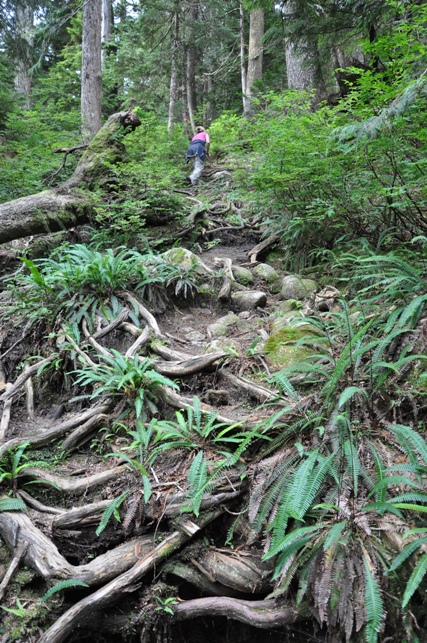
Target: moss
x,y
281,349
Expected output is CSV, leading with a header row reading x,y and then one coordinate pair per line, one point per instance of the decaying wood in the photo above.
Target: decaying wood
x,y
244,571
263,614
80,516
17,530
18,556
261,246
52,433
5,418
69,484
81,611
70,204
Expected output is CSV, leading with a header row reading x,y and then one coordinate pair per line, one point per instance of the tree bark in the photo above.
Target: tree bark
x,y
173,89
24,26
255,54
91,69
106,25
262,614
70,204
243,71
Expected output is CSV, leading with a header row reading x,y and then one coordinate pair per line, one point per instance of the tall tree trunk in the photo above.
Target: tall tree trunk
x,y
255,55
106,25
184,100
299,70
191,66
173,89
91,69
24,25
243,73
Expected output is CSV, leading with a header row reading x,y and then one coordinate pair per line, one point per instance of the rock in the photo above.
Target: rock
x,y
325,299
221,326
195,337
282,349
216,397
242,275
249,299
266,272
185,259
297,288
223,344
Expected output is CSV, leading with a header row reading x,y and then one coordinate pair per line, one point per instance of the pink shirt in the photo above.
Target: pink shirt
x,y
201,136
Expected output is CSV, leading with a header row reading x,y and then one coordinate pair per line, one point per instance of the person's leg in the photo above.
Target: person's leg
x,y
198,169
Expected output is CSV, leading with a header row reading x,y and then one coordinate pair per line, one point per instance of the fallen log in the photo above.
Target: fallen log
x,y
70,204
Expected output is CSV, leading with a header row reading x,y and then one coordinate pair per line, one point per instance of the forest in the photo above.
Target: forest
x,y
212,396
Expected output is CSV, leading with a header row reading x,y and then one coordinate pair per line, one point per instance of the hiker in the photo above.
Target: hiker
x,y
199,148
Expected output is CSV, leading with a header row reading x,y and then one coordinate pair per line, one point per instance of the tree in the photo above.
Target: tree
x,y
91,90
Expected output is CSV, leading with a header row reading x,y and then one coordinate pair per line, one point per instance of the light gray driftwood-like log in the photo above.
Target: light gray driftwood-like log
x,y
263,614
20,381
189,366
143,312
76,616
42,555
5,418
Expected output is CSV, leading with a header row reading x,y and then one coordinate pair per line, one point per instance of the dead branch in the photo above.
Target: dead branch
x,y
260,247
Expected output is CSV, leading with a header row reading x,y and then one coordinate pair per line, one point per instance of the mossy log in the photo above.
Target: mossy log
x,y
70,204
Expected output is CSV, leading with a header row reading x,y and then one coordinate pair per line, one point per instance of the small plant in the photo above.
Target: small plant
x,y
166,604
59,587
134,379
17,611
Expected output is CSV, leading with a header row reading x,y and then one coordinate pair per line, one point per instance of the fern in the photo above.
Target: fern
x,y
415,579
65,584
412,442
406,552
111,510
12,504
197,478
373,604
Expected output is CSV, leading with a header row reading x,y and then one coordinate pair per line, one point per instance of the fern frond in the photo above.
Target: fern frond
x,y
407,436
12,504
65,584
112,509
373,605
406,552
415,579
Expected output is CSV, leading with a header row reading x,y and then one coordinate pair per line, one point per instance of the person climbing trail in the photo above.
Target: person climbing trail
x,y
197,152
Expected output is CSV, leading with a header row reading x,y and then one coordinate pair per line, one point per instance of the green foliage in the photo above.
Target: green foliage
x,y
134,379
12,504
111,510
59,587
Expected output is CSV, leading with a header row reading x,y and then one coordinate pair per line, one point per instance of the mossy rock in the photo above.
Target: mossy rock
x,y
227,345
242,275
294,287
267,273
281,347
221,326
184,259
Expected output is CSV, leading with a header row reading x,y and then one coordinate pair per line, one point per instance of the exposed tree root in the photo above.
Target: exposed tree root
x,y
264,614
18,556
42,555
72,484
5,418
261,246
52,433
76,616
24,377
